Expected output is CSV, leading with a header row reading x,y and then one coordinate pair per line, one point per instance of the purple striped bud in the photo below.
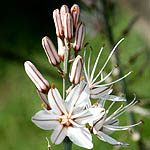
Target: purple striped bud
x,y
76,70
40,82
58,23
61,50
79,37
63,10
75,11
50,51
68,26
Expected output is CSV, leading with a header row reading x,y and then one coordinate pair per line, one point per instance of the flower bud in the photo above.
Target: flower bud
x,y
75,11
63,10
76,71
40,82
50,51
79,37
61,50
68,26
58,23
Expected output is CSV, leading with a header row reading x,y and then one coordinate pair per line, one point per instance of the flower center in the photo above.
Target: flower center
x,y
65,120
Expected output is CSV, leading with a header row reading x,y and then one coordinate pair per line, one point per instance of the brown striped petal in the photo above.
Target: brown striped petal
x,y
61,50
75,11
63,10
76,71
68,26
58,23
79,37
40,82
50,51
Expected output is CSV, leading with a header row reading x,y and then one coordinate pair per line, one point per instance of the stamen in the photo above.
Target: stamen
x,y
53,86
85,72
109,57
42,105
60,120
103,78
95,104
114,81
96,62
89,60
82,78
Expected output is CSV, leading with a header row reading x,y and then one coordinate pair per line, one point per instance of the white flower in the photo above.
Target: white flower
x,y
97,89
104,126
67,118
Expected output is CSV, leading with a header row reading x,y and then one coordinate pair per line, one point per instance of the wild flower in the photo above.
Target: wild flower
x,y
73,115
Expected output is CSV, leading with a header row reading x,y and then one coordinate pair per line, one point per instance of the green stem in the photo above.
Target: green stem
x,y
67,142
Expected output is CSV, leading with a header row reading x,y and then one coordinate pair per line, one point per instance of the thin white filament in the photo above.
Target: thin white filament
x,y
89,60
84,67
113,81
96,62
104,77
110,55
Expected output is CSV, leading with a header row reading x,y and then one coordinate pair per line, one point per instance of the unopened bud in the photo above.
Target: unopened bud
x,y
61,49
50,51
58,23
68,26
75,11
40,82
76,71
63,10
79,37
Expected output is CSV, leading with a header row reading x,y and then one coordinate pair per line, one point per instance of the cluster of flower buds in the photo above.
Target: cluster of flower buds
x,y
70,32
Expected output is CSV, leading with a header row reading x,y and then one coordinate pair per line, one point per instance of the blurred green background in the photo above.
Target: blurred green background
x,y
23,24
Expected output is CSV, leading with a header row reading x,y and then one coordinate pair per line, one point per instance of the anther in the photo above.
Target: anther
x,y
42,105
53,86
82,78
95,104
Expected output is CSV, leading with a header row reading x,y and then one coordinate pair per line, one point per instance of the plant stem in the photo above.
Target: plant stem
x,y
67,142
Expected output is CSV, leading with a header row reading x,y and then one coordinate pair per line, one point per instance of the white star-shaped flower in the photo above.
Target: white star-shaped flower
x,y
104,126
97,88
67,118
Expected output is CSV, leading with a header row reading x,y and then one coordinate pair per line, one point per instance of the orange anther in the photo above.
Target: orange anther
x,y
42,105
53,86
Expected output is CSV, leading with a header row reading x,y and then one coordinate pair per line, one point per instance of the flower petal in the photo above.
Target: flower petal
x,y
83,117
108,131
45,120
104,137
79,96
100,92
56,102
114,98
59,134
117,128
80,137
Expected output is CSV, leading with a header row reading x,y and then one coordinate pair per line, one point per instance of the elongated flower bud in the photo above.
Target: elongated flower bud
x,y
75,11
50,51
40,82
58,23
68,26
76,71
79,37
63,10
61,50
